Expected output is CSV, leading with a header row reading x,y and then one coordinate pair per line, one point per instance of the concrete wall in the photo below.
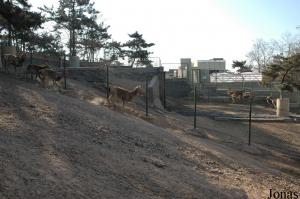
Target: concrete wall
x,y
177,88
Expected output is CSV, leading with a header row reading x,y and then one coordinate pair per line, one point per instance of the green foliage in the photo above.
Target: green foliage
x,y
48,44
17,20
285,72
137,50
114,52
242,67
73,16
93,38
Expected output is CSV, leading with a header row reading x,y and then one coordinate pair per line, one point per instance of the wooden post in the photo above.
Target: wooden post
x,y
250,121
107,82
147,96
195,107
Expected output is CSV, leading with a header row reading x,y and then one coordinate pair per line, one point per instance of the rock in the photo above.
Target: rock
x,y
155,161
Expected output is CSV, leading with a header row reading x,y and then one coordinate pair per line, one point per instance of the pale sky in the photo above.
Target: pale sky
x,y
198,29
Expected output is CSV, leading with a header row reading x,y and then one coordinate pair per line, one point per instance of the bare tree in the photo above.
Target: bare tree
x,y
289,44
261,54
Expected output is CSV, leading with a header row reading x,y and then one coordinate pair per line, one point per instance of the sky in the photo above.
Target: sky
x,y
198,29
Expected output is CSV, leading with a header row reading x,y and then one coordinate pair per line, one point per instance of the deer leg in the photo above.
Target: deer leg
x,y
5,66
110,101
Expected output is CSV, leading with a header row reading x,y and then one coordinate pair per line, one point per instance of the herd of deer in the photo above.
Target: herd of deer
x,y
241,95
46,74
42,71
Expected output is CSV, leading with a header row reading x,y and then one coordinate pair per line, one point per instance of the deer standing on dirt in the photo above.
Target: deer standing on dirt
x,y
49,74
35,69
238,96
16,61
271,101
235,95
119,93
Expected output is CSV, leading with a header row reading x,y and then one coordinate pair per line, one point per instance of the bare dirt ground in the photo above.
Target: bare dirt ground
x,y
71,145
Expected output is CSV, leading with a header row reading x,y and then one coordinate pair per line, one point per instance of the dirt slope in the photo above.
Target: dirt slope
x,y
69,145
55,146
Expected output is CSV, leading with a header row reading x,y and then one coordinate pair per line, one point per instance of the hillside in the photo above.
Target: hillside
x,y
55,145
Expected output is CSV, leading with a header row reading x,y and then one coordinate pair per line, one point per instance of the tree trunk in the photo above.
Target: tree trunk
x,y
9,36
73,29
132,63
70,43
0,58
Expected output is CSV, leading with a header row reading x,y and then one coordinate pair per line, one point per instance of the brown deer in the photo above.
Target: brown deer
x,y
35,69
271,101
239,96
118,93
16,61
49,74
235,95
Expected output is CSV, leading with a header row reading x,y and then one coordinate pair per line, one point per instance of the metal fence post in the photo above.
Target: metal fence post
x,y
250,121
164,90
195,107
107,82
31,57
208,93
147,96
65,79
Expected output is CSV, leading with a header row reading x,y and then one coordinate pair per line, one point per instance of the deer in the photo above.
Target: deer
x,y
248,95
35,69
50,74
119,93
16,61
235,95
239,95
271,101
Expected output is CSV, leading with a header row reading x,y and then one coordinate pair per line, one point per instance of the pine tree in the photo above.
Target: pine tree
x,y
284,71
17,19
114,51
72,16
94,38
137,51
242,67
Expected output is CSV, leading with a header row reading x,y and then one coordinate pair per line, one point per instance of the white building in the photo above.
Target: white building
x,y
202,69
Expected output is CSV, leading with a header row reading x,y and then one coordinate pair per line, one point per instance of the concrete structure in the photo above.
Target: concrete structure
x,y
202,69
182,73
283,107
75,62
171,74
185,68
197,72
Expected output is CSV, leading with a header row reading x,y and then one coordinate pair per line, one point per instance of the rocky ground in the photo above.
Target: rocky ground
x,y
71,145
